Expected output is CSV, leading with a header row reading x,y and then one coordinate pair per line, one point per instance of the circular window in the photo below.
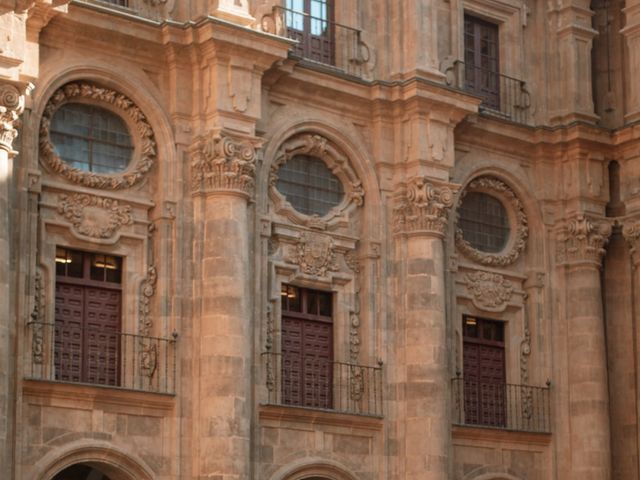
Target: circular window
x,y
91,138
484,222
309,186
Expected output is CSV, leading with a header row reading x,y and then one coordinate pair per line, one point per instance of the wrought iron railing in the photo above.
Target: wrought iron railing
x,y
506,406
322,384
78,354
322,41
502,96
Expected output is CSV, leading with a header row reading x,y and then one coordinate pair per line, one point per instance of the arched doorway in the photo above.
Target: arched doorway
x,y
81,472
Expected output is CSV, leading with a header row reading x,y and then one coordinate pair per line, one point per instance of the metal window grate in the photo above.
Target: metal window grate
x,y
309,186
484,222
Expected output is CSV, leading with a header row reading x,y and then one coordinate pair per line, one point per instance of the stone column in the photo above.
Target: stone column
x,y
11,106
581,248
420,220
573,100
223,182
631,34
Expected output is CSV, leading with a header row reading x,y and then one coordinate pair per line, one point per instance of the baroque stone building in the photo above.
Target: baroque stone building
x,y
319,239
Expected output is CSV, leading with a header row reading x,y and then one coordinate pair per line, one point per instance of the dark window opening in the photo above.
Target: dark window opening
x,y
481,58
310,23
484,222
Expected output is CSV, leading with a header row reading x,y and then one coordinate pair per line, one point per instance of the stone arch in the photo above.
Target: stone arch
x,y
493,472
307,469
112,461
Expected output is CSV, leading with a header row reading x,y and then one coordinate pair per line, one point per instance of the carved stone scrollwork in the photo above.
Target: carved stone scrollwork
x,y
94,216
148,352
632,234
37,317
144,153
423,206
490,291
12,97
315,254
583,241
320,147
518,223
224,162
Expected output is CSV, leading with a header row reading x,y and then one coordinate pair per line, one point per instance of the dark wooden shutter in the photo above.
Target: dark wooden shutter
x,y
481,57
317,35
102,338
484,376
68,348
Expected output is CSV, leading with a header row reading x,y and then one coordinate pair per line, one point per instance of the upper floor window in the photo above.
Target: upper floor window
x,y
309,186
482,60
484,222
91,138
310,23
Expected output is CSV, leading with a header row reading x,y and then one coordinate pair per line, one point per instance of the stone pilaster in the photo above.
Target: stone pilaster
x,y
223,179
12,97
573,100
581,249
420,220
631,34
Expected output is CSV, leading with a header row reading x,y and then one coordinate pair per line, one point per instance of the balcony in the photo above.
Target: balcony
x,y
504,406
323,385
321,41
502,96
97,357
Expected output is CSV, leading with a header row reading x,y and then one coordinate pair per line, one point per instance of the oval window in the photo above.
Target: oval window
x,y
91,138
484,222
309,186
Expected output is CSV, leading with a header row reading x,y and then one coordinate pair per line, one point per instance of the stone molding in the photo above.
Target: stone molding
x,y
582,240
490,292
224,162
320,147
38,318
93,216
144,156
518,223
423,207
12,99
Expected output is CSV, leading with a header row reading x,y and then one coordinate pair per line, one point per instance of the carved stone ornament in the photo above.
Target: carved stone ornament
x,y
144,155
423,206
11,106
224,162
490,291
631,233
518,223
324,149
583,240
94,216
37,320
315,254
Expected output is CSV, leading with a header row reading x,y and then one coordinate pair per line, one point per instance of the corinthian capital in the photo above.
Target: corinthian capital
x,y
631,233
12,96
583,240
225,163
423,206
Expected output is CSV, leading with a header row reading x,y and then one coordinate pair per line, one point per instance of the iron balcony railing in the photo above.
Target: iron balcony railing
x,y
322,41
502,96
506,406
322,384
78,354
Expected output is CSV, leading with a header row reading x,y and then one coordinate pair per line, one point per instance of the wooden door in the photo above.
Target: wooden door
x,y
481,59
307,351
484,373
313,28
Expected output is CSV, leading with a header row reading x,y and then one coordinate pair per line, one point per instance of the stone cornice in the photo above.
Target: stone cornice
x,y
582,240
12,98
224,162
422,207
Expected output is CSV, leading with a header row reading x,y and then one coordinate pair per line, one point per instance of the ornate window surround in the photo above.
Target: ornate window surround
x,y
144,154
519,230
316,145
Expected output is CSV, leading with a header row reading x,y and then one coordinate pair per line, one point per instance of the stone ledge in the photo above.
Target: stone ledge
x,y
83,396
312,416
459,432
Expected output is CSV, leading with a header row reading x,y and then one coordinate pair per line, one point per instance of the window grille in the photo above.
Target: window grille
x,y
484,222
309,186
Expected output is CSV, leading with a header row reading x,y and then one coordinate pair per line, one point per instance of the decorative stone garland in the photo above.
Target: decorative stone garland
x,y
145,151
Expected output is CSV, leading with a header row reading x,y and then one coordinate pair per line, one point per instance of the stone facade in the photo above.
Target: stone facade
x,y
217,99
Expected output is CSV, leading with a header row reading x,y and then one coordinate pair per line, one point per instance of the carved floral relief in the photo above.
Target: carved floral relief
x,y
315,254
144,154
583,240
94,216
490,292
